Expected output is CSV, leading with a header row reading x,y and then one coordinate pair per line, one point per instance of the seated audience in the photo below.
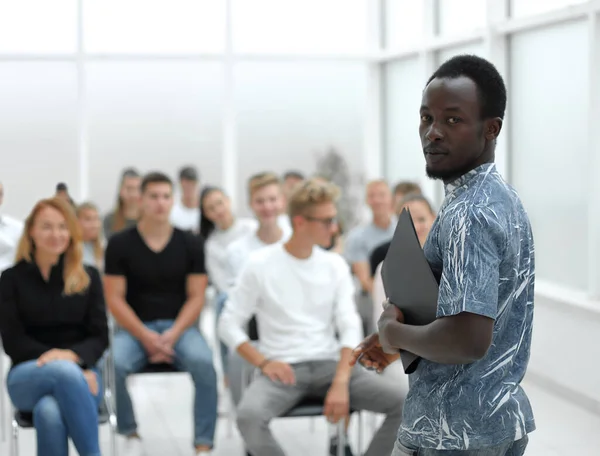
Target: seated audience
x,y
10,233
301,296
127,211
185,214
91,230
54,329
155,284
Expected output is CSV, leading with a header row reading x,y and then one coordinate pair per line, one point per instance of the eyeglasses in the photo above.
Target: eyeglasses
x,y
325,221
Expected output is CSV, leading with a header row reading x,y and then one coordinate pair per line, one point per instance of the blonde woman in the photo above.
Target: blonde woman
x,y
127,211
54,329
91,231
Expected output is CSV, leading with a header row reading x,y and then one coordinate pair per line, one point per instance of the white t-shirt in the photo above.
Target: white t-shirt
x,y
185,218
298,303
240,250
215,249
10,234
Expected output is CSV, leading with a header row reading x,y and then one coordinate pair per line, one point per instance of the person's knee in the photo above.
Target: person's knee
x,y
64,371
248,416
47,412
201,368
123,363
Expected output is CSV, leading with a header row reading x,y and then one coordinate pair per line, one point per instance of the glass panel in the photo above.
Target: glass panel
x,y
403,82
520,8
155,116
38,26
297,26
549,145
38,137
404,24
472,48
459,16
154,26
289,113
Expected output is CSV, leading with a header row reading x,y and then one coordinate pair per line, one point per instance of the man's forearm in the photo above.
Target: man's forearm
x,y
126,317
251,354
435,342
189,313
344,369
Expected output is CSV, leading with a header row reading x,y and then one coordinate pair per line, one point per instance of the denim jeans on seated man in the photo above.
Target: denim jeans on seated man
x,y
58,396
192,355
511,448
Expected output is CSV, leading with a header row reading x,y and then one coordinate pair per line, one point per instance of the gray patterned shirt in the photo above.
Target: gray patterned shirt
x,y
481,247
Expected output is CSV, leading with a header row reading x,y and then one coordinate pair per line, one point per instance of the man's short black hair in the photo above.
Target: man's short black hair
x,y
492,91
155,177
293,175
62,187
188,173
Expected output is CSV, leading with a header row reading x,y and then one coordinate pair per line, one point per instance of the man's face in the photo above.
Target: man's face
x,y
189,188
451,129
290,184
157,201
379,198
267,203
320,224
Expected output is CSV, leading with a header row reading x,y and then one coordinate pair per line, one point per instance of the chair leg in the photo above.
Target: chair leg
x,y
341,434
15,439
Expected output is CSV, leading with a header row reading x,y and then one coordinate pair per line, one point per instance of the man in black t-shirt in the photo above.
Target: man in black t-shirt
x,y
155,286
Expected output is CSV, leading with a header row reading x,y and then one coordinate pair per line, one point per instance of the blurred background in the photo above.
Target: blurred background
x,y
233,87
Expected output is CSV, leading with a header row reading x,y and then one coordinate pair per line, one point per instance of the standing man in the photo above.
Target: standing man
x,y
465,396
185,214
302,297
10,233
155,284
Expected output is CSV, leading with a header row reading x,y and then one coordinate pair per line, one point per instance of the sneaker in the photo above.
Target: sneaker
x,y
333,447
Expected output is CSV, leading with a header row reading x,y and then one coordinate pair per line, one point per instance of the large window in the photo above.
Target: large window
x,y
549,146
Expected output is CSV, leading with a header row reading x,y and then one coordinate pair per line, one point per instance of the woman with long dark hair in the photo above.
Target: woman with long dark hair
x,y
127,210
54,329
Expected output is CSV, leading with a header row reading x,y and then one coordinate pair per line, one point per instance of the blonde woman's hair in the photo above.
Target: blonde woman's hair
x,y
262,180
97,243
311,193
74,275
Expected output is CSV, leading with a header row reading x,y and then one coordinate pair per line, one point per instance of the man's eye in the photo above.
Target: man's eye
x,y
425,118
453,120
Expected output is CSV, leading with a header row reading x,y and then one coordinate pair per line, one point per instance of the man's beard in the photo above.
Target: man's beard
x,y
448,174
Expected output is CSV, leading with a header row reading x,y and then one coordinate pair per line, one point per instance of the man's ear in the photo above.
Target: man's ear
x,y
493,128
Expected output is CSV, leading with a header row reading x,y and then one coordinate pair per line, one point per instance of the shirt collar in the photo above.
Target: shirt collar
x,y
463,180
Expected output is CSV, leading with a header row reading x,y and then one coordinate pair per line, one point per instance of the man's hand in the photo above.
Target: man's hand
x,y
92,381
57,354
157,351
278,371
388,321
168,339
370,355
337,402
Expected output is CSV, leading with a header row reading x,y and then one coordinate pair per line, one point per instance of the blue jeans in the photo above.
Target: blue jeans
x,y
516,448
62,405
192,354
221,299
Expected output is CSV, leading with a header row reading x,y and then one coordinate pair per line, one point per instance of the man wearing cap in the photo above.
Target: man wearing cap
x,y
185,214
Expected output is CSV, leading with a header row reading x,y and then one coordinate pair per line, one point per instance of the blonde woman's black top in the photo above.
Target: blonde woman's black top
x,y
36,315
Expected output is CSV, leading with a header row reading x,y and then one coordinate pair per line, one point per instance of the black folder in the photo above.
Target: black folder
x,y
409,282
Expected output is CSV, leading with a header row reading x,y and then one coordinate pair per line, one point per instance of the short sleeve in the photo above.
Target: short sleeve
x,y
115,259
195,246
473,250
355,251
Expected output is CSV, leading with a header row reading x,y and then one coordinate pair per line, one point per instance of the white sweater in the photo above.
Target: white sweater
x,y
299,305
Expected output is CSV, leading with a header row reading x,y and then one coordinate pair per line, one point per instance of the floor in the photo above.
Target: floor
x,y
162,404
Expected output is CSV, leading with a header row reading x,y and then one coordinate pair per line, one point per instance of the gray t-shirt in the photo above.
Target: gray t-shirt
x,y
107,225
481,245
363,239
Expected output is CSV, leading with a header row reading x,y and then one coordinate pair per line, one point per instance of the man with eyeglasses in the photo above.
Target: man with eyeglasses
x,y
302,296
